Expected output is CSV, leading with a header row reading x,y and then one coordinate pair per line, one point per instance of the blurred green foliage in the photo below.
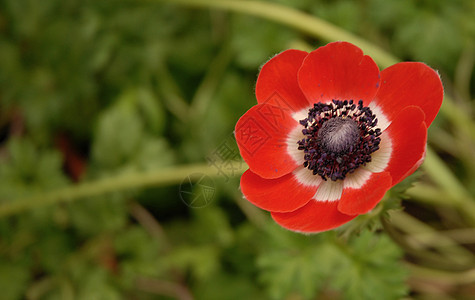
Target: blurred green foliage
x,y
93,89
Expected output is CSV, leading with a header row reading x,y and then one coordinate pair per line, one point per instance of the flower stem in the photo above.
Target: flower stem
x,y
163,177
447,277
422,236
296,19
443,176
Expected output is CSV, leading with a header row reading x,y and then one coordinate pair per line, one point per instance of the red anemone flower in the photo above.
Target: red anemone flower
x,y
330,134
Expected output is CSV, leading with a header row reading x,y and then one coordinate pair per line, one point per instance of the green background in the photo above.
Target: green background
x,y
108,109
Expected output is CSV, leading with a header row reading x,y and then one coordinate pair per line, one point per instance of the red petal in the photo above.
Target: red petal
x,y
261,134
408,133
338,71
315,216
410,83
282,194
361,200
277,82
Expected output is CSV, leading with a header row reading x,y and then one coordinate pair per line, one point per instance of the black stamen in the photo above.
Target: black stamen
x,y
339,137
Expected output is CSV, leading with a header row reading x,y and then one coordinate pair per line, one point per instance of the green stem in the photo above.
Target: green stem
x,y
171,94
423,236
459,117
169,176
296,19
429,194
443,176
453,278
435,196
427,256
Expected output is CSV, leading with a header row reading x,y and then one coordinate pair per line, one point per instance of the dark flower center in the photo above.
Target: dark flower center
x,y
339,137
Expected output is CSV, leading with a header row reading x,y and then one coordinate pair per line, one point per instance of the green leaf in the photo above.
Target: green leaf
x,y
212,225
123,138
138,254
293,263
151,109
229,287
28,169
201,244
345,14
439,45
53,248
261,41
287,272
14,277
118,135
154,153
202,261
368,268
96,285
96,214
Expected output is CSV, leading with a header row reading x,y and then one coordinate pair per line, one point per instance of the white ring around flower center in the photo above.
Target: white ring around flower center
x,y
331,190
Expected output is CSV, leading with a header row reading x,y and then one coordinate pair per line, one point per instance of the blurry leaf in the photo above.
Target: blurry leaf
x,y
233,97
192,49
153,154
86,275
28,170
212,226
96,214
370,268
152,110
345,14
387,14
200,245
52,249
14,277
295,264
365,268
438,44
10,71
201,261
292,272
95,285
292,263
138,254
121,138
256,41
229,287
118,135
